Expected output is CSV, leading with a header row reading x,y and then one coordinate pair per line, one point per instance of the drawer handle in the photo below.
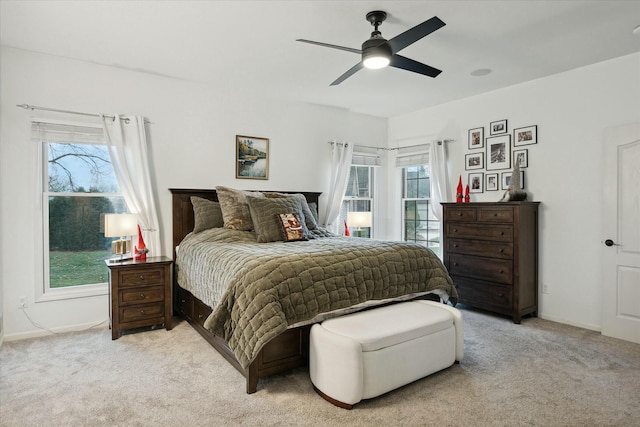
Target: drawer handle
x,y
141,296
459,213
141,311
455,245
501,271
501,250
502,233
455,230
500,295
495,214
183,301
141,277
199,316
455,263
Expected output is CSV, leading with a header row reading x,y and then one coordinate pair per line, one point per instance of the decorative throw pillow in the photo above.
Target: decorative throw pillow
x,y
313,207
235,210
291,227
263,214
206,213
309,220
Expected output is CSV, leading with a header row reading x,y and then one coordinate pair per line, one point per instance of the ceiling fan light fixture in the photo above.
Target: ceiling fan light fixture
x,y
375,62
376,53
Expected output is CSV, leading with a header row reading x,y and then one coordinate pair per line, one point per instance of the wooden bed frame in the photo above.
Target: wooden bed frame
x,y
286,351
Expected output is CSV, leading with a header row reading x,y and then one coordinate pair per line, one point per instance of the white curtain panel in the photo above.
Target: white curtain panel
x,y
341,155
127,141
439,174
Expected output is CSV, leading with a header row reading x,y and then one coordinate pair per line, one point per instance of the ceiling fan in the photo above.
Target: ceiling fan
x,y
377,52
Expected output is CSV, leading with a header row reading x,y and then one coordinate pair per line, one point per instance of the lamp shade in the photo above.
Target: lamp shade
x,y
117,225
359,219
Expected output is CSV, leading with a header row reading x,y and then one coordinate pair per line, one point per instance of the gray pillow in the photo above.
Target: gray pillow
x,y
309,220
235,210
264,214
207,214
313,207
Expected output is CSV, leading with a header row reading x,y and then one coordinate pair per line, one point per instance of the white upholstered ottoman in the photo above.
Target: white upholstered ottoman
x,y
366,354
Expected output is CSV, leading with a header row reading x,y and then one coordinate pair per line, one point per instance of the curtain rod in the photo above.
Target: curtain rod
x,y
34,107
439,142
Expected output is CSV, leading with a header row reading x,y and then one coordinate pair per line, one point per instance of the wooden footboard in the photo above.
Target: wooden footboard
x,y
286,351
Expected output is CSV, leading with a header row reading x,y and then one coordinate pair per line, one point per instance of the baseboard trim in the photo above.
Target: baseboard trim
x,y
596,328
39,333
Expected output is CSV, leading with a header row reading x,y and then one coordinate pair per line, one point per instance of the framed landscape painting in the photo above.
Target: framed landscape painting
x,y
252,157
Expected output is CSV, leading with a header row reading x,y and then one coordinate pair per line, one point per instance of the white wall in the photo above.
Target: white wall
x,y
192,143
571,111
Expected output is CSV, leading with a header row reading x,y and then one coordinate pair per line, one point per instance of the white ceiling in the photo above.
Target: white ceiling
x,y
250,47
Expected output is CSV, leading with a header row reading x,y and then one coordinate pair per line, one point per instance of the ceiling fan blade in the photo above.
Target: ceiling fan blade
x,y
414,34
399,61
333,46
348,74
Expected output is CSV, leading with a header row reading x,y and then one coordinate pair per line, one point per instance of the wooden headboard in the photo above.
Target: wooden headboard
x,y
182,209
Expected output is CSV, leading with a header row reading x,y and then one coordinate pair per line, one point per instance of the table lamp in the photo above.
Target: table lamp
x,y
123,226
359,219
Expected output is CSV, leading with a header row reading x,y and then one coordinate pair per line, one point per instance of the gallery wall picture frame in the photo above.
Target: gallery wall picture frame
x,y
492,182
476,138
521,158
525,136
474,161
506,179
498,127
476,182
498,152
252,157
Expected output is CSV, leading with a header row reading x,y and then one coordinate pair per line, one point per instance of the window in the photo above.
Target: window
x,y
358,197
419,224
78,188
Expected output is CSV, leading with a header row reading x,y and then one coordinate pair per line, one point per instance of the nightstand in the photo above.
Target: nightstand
x,y
139,294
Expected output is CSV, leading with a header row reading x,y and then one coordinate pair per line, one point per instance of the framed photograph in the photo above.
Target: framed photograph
x,y
506,179
498,152
521,158
525,136
492,182
473,161
498,128
252,157
476,138
476,182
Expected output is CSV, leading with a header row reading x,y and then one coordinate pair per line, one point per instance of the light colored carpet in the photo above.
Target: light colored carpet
x,y
539,373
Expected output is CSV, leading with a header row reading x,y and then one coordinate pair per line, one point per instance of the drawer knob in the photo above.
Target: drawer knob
x,y
141,277
495,214
455,245
501,271
141,296
500,295
141,311
455,230
501,250
459,213
455,263
502,233
199,316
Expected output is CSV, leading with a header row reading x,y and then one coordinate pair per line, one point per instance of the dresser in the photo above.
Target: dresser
x,y
139,294
491,252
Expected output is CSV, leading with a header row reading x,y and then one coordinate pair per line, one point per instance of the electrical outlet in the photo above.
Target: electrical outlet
x,y
545,288
22,302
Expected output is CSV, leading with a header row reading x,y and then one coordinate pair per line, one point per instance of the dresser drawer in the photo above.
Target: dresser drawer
x,y
133,313
492,269
484,295
141,295
142,277
500,233
475,247
200,312
461,213
495,214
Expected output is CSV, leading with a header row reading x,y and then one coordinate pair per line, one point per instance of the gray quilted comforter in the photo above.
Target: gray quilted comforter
x,y
257,290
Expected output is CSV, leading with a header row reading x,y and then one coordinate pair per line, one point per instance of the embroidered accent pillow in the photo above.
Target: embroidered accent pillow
x,y
291,227
263,214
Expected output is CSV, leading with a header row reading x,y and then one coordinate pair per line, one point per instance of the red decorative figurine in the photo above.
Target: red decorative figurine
x,y
467,199
459,191
140,249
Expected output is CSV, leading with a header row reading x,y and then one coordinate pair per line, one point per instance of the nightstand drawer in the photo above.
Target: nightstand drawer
x,y
141,312
461,214
142,295
500,233
495,214
473,247
495,270
142,277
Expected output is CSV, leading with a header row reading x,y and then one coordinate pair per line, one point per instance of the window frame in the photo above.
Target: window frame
x,y
403,201
348,201
43,291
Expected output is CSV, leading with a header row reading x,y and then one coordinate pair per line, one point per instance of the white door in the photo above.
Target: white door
x,y
621,233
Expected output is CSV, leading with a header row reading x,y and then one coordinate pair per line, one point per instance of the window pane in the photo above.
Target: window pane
x,y
422,207
77,246
80,168
424,192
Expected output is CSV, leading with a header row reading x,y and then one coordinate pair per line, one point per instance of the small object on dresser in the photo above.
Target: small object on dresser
x,y
467,198
141,249
514,193
459,191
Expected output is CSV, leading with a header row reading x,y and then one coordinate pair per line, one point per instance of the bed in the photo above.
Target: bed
x,y
272,292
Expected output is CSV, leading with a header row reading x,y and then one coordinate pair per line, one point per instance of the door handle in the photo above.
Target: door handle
x,y
610,242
